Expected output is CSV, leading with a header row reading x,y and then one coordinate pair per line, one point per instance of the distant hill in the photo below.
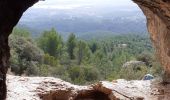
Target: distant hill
x,y
85,20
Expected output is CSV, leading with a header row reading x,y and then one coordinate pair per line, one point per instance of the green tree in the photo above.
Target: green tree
x,y
77,74
50,60
91,74
21,32
51,42
93,47
71,44
83,51
25,54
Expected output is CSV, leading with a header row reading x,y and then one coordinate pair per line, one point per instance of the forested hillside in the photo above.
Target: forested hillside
x,y
81,61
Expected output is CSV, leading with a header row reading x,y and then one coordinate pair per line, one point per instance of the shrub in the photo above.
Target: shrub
x,y
133,72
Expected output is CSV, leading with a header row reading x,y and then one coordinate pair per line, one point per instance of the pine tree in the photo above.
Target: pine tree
x,y
51,42
71,44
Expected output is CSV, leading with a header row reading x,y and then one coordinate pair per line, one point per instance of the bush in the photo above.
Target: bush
x,y
82,75
24,53
50,60
44,70
145,57
133,72
32,69
91,74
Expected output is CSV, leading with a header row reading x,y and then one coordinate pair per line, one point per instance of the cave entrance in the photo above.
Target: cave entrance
x,y
111,41
7,28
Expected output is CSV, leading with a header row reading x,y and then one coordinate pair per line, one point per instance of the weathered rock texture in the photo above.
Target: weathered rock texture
x,y
158,20
10,13
48,88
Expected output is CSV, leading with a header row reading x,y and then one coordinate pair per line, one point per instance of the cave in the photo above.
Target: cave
x,y
158,21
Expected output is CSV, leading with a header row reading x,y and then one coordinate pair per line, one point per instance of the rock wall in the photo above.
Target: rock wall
x,y
158,21
10,13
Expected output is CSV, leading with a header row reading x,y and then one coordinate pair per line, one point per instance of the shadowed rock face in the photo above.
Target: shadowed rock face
x,y
156,11
10,13
158,20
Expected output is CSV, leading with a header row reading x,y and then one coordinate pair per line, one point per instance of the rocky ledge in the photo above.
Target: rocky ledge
x,y
48,88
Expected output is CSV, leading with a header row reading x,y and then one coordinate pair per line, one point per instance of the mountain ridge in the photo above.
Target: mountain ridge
x,y
84,20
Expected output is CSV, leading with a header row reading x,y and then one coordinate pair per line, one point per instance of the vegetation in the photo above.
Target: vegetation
x,y
80,61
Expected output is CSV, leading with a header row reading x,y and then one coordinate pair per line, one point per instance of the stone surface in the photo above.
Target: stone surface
x,y
49,88
158,21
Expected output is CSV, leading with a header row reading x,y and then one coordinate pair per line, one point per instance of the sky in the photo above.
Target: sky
x,y
70,4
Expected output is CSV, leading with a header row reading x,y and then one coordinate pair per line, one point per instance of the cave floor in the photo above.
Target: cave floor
x,y
48,88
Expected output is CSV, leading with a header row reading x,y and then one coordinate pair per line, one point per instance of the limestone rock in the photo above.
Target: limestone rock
x,y
158,21
49,88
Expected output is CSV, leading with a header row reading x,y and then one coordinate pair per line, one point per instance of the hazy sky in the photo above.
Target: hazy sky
x,y
78,3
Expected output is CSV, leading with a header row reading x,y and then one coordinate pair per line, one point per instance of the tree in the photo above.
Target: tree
x,y
83,51
51,42
91,74
77,74
25,54
71,44
21,32
80,53
93,47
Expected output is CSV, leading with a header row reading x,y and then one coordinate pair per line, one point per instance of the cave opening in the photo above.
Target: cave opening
x,y
70,18
10,19
128,21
